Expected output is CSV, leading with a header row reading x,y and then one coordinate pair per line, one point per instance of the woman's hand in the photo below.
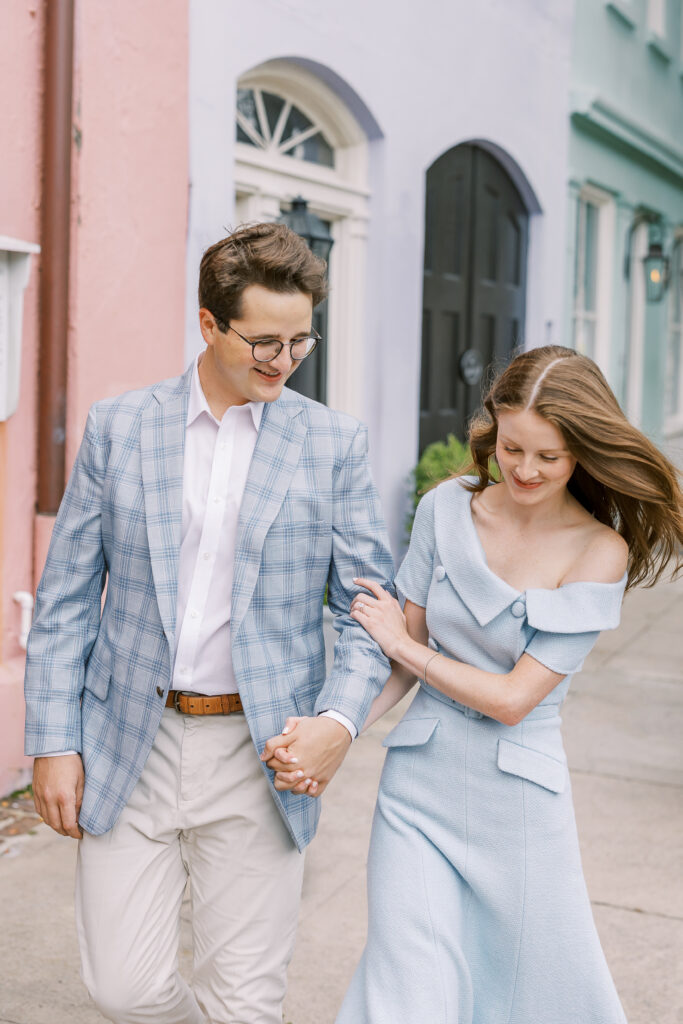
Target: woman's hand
x,y
380,615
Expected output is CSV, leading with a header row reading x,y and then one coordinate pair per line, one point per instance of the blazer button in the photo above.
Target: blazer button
x,y
160,691
440,573
518,609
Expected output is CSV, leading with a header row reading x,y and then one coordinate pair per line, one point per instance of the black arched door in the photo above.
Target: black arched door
x,y
476,234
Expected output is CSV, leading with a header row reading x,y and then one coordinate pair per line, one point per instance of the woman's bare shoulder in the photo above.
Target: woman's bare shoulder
x,y
603,559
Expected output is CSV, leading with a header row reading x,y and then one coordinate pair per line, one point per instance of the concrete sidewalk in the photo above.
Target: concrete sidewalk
x,y
623,723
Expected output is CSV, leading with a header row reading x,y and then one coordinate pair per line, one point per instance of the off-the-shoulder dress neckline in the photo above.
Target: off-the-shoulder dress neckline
x,y
513,590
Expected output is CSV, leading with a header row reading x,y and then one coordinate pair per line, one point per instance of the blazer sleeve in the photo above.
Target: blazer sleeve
x,y
67,610
360,547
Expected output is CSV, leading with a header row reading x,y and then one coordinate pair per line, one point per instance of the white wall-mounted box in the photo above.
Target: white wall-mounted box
x,y
15,262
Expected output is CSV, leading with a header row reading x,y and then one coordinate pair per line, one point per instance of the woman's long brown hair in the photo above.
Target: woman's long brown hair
x,y
621,478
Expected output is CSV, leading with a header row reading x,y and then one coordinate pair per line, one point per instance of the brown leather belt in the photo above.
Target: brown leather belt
x,y
200,704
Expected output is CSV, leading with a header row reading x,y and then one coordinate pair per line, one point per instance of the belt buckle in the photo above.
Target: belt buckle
x,y
181,693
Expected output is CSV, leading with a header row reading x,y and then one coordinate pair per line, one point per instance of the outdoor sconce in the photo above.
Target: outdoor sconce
x,y
310,227
656,272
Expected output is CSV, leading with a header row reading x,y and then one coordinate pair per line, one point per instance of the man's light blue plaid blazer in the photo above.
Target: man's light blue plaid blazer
x,y
97,678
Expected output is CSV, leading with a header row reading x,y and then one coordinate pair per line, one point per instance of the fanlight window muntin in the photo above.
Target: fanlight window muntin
x,y
274,124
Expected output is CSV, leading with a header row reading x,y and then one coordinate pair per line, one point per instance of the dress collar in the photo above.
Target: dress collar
x,y
572,608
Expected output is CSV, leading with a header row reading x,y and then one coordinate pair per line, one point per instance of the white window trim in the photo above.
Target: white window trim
x,y
636,341
673,424
604,270
263,181
656,17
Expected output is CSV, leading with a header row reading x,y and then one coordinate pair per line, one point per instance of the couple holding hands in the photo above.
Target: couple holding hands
x,y
185,727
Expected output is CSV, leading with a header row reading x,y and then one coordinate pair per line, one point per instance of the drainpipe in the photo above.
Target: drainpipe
x,y
55,231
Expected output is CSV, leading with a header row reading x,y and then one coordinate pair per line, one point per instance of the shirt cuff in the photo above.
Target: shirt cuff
x,y
343,720
57,753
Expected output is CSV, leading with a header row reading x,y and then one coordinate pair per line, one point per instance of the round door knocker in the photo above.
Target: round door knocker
x,y
471,366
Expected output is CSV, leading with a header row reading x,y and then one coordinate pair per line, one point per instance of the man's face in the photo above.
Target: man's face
x,y
231,368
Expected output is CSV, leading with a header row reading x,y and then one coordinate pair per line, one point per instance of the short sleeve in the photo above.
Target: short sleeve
x,y
563,653
569,620
415,575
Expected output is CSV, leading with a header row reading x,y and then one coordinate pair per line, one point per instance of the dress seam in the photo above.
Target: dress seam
x,y
469,894
425,887
523,915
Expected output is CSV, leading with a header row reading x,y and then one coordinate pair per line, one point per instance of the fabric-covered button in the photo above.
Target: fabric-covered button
x,y
440,572
518,608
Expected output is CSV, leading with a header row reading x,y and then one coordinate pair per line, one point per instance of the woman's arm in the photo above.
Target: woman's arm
x,y
401,680
506,696
399,683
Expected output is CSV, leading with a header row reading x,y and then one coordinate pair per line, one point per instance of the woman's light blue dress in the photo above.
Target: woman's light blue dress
x,y
478,910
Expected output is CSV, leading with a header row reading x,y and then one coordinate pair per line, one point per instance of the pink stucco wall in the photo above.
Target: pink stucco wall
x,y
21,55
130,187
131,178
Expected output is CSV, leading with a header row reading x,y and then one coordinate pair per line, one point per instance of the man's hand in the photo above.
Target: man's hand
x,y
312,749
58,792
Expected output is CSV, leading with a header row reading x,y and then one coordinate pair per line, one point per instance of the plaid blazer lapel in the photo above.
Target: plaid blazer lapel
x,y
275,459
162,449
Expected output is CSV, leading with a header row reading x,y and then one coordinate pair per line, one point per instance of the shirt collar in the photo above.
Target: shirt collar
x,y
198,404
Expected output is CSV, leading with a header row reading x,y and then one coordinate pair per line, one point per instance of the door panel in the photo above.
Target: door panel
x,y
476,230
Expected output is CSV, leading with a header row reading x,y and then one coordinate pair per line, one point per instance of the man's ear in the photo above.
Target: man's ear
x,y
207,325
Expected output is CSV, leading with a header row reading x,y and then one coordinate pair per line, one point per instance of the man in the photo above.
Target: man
x,y
216,507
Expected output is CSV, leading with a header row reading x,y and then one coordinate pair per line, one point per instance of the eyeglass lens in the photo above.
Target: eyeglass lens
x,y
264,351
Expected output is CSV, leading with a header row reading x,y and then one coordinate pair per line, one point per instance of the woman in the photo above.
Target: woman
x,y
478,911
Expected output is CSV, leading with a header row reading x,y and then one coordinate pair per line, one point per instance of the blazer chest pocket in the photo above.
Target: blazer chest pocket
x,y
532,765
97,676
411,732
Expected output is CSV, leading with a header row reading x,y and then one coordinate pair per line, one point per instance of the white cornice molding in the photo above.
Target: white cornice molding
x,y
601,114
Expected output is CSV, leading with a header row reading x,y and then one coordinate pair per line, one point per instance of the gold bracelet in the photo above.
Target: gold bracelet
x,y
429,661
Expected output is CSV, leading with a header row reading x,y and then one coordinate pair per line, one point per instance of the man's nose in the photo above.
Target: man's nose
x,y
283,360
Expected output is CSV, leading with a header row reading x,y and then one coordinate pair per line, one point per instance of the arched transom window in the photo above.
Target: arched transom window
x,y
273,123
295,136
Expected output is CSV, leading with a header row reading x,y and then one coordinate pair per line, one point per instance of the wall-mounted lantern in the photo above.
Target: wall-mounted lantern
x,y
15,258
310,227
656,271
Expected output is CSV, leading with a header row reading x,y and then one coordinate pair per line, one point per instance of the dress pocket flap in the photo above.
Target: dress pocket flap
x,y
411,732
531,764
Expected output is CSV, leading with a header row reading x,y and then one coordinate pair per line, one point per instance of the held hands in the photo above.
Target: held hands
x,y
58,792
380,616
306,754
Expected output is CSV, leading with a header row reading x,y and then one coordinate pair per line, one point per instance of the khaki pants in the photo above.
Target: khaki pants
x,y
201,809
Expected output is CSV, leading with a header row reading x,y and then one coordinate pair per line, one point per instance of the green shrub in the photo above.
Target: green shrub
x,y
438,461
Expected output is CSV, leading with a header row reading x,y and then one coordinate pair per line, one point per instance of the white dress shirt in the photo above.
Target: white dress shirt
x,y
216,464
217,458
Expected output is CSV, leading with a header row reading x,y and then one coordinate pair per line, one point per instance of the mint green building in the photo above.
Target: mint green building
x,y
625,222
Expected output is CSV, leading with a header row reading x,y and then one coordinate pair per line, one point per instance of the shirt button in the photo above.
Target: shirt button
x,y
206,556
518,609
185,670
440,572
194,614
216,499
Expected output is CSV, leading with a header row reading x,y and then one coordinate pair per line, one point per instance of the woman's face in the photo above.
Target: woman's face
x,y
533,457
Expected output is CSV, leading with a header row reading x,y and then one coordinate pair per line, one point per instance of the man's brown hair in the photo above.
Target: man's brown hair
x,y
271,255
